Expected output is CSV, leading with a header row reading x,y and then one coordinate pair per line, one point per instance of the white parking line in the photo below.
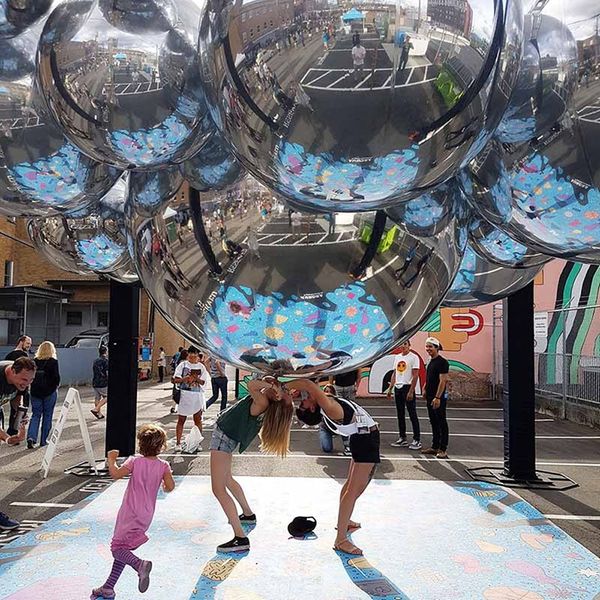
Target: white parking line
x,y
573,517
42,504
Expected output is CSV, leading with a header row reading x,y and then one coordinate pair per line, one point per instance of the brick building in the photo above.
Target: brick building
x,y
46,302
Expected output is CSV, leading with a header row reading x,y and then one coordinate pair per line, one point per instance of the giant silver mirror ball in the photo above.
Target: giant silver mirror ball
x,y
122,79
90,240
251,280
479,281
545,195
41,172
547,80
341,114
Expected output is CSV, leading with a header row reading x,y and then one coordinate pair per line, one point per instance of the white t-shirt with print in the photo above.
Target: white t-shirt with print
x,y
403,367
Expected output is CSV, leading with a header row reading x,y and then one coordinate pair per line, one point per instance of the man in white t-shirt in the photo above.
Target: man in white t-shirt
x,y
404,382
191,376
358,60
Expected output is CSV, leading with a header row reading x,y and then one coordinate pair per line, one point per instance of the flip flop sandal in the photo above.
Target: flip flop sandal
x,y
355,551
96,414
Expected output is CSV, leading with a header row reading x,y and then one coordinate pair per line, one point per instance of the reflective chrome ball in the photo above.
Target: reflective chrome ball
x,y
91,240
335,117
213,168
547,80
41,173
479,281
252,281
546,196
18,15
122,79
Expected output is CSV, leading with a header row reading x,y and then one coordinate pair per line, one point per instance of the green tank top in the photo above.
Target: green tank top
x,y
238,424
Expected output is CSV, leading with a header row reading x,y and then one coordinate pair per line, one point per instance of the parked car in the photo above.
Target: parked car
x,y
90,338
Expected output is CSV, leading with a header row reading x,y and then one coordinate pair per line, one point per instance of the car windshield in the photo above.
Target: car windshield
x,y
84,342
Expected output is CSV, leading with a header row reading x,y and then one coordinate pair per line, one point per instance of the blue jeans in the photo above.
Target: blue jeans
x,y
219,384
42,408
326,439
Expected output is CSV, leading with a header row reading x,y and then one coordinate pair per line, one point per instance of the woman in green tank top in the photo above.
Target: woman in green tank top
x,y
261,413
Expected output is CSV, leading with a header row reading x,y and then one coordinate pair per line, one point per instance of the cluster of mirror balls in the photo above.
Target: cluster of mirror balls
x,y
278,200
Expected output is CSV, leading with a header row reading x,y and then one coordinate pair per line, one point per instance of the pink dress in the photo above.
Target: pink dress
x,y
139,502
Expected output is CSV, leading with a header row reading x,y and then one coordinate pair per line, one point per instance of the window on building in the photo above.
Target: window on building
x,y
74,317
8,272
102,318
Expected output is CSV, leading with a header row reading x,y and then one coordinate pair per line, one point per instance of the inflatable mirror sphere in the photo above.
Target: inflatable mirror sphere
x,y
214,167
150,190
16,16
500,249
545,196
122,79
91,240
255,282
547,80
41,173
332,137
478,281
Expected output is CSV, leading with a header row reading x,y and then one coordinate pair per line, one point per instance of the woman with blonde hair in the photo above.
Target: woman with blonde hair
x,y
260,413
44,392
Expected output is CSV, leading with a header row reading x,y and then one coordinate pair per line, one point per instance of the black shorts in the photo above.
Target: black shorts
x,y
364,447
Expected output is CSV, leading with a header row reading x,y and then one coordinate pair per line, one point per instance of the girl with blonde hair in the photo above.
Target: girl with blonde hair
x,y
260,413
44,392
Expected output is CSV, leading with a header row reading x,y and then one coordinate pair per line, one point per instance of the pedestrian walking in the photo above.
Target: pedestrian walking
x,y
44,392
20,350
404,383
162,363
148,473
358,60
100,382
219,381
436,395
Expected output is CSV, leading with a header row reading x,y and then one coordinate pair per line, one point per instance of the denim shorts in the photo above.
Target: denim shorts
x,y
221,441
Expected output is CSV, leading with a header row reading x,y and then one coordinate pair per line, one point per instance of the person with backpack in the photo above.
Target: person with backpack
x,y
44,392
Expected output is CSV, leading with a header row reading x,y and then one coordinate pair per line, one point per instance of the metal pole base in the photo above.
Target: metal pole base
x,y
542,480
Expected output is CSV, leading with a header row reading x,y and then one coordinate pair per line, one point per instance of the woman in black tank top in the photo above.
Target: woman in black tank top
x,y
364,446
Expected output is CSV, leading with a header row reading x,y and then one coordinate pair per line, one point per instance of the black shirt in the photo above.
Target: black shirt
x,y
47,378
346,379
437,366
14,354
100,371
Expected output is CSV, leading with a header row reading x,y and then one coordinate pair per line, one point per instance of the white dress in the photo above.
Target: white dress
x,y
192,398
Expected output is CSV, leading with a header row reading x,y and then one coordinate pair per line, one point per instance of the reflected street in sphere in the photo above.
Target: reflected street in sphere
x,y
478,281
253,281
41,173
122,79
547,80
90,240
337,113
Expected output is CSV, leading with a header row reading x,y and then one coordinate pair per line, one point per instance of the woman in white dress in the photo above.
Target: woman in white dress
x,y
191,376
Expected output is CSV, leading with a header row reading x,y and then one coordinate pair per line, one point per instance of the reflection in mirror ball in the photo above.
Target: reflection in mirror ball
x,y
18,15
123,81
343,114
90,240
478,281
253,281
41,173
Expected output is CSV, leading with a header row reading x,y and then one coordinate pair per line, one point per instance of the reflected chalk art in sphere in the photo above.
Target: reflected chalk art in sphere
x,y
340,114
90,240
254,281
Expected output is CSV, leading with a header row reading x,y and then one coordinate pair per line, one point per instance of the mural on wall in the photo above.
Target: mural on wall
x,y
466,334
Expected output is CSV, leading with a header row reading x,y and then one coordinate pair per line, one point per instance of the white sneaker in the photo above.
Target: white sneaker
x,y
177,448
400,442
416,445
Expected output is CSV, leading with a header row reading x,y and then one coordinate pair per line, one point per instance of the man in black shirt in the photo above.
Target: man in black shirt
x,y
436,396
15,378
21,349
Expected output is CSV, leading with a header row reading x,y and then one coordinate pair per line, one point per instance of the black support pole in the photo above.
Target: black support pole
x,y
519,388
122,368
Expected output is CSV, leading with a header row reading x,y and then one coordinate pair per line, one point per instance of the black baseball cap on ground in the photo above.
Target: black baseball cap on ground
x,y
300,526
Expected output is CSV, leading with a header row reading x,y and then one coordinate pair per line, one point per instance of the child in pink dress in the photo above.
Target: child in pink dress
x,y
137,509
